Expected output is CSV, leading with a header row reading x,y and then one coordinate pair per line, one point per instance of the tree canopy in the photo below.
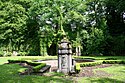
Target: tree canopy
x,y
34,27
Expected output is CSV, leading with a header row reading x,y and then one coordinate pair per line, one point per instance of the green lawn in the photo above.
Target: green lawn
x,y
117,75
9,72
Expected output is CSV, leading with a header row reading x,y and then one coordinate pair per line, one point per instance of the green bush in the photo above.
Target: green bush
x,y
8,54
23,53
17,61
87,64
29,62
1,53
77,68
37,68
111,59
33,63
114,62
85,58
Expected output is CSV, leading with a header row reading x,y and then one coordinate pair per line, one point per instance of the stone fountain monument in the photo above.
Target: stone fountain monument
x,y
65,62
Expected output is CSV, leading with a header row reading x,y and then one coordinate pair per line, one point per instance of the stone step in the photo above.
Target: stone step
x,y
44,69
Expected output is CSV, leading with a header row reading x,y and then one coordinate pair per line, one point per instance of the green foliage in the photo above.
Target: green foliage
x,y
36,26
9,74
114,62
115,24
17,61
77,68
95,33
87,64
1,53
23,53
12,23
111,58
56,16
8,54
33,63
118,45
22,70
37,68
29,62
38,58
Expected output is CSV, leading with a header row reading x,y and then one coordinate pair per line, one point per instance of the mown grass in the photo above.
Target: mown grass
x,y
117,71
117,75
9,74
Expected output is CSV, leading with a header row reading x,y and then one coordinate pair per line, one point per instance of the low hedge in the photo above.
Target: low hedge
x,y
17,61
29,62
114,62
88,64
111,59
77,68
40,58
33,63
38,67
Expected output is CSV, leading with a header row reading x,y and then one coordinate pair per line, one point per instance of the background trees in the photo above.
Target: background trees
x,y
115,25
57,18
34,27
13,16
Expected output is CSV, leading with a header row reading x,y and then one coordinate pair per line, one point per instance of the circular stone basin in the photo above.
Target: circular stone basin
x,y
83,60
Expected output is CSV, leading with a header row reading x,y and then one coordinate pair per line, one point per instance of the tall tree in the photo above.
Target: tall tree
x,y
13,18
95,34
57,16
115,23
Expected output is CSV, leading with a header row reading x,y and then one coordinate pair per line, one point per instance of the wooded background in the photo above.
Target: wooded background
x,y
34,27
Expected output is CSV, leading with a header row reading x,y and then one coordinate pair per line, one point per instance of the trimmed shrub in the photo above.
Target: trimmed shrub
x,y
37,68
88,64
77,68
33,63
111,59
29,62
114,62
17,61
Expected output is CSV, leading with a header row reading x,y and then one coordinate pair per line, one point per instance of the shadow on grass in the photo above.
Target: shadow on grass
x,y
106,80
9,74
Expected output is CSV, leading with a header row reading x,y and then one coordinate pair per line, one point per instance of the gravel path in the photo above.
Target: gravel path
x,y
53,63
